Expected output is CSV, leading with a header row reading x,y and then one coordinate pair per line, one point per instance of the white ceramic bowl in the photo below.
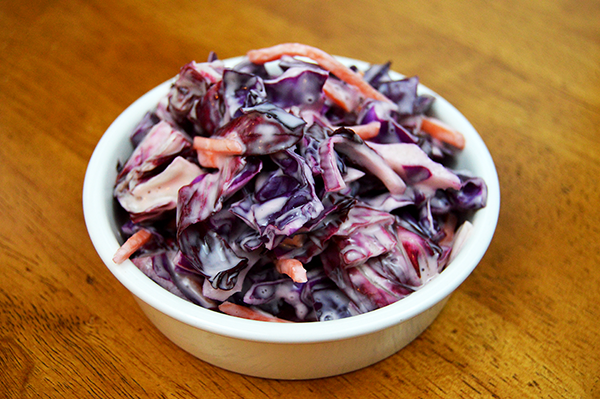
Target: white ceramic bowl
x,y
281,350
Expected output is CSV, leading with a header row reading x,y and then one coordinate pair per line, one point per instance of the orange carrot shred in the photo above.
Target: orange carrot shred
x,y
325,60
248,313
209,159
293,268
366,131
339,95
225,146
439,130
132,244
212,151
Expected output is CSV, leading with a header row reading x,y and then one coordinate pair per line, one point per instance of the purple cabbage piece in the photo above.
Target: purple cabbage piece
x,y
208,253
428,222
268,296
416,173
314,236
416,168
421,254
190,284
264,129
436,150
243,240
143,127
211,256
154,267
283,200
327,300
348,143
160,145
340,276
159,266
143,187
378,290
360,216
205,195
392,132
248,67
471,195
224,294
268,290
212,56
208,115
332,167
402,92
198,200
422,104
374,111
190,86
152,198
365,243
300,87
376,73
308,146
240,90
439,203
388,202
397,270
387,278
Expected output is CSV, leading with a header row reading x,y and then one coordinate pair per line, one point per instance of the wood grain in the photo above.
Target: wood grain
x,y
527,75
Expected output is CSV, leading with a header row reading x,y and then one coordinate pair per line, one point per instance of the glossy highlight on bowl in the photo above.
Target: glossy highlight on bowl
x,y
277,350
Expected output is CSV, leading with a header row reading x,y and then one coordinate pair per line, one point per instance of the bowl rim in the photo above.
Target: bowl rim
x,y
97,210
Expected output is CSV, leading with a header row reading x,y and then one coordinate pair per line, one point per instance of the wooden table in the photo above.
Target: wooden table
x,y
526,74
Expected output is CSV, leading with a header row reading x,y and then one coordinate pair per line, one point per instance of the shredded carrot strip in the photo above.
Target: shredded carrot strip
x,y
293,268
210,159
225,146
339,96
211,151
132,244
439,130
366,131
325,60
248,313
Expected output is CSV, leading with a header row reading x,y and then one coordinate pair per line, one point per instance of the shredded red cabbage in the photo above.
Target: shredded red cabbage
x,y
371,221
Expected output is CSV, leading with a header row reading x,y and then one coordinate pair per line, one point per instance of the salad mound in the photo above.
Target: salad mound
x,y
293,188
